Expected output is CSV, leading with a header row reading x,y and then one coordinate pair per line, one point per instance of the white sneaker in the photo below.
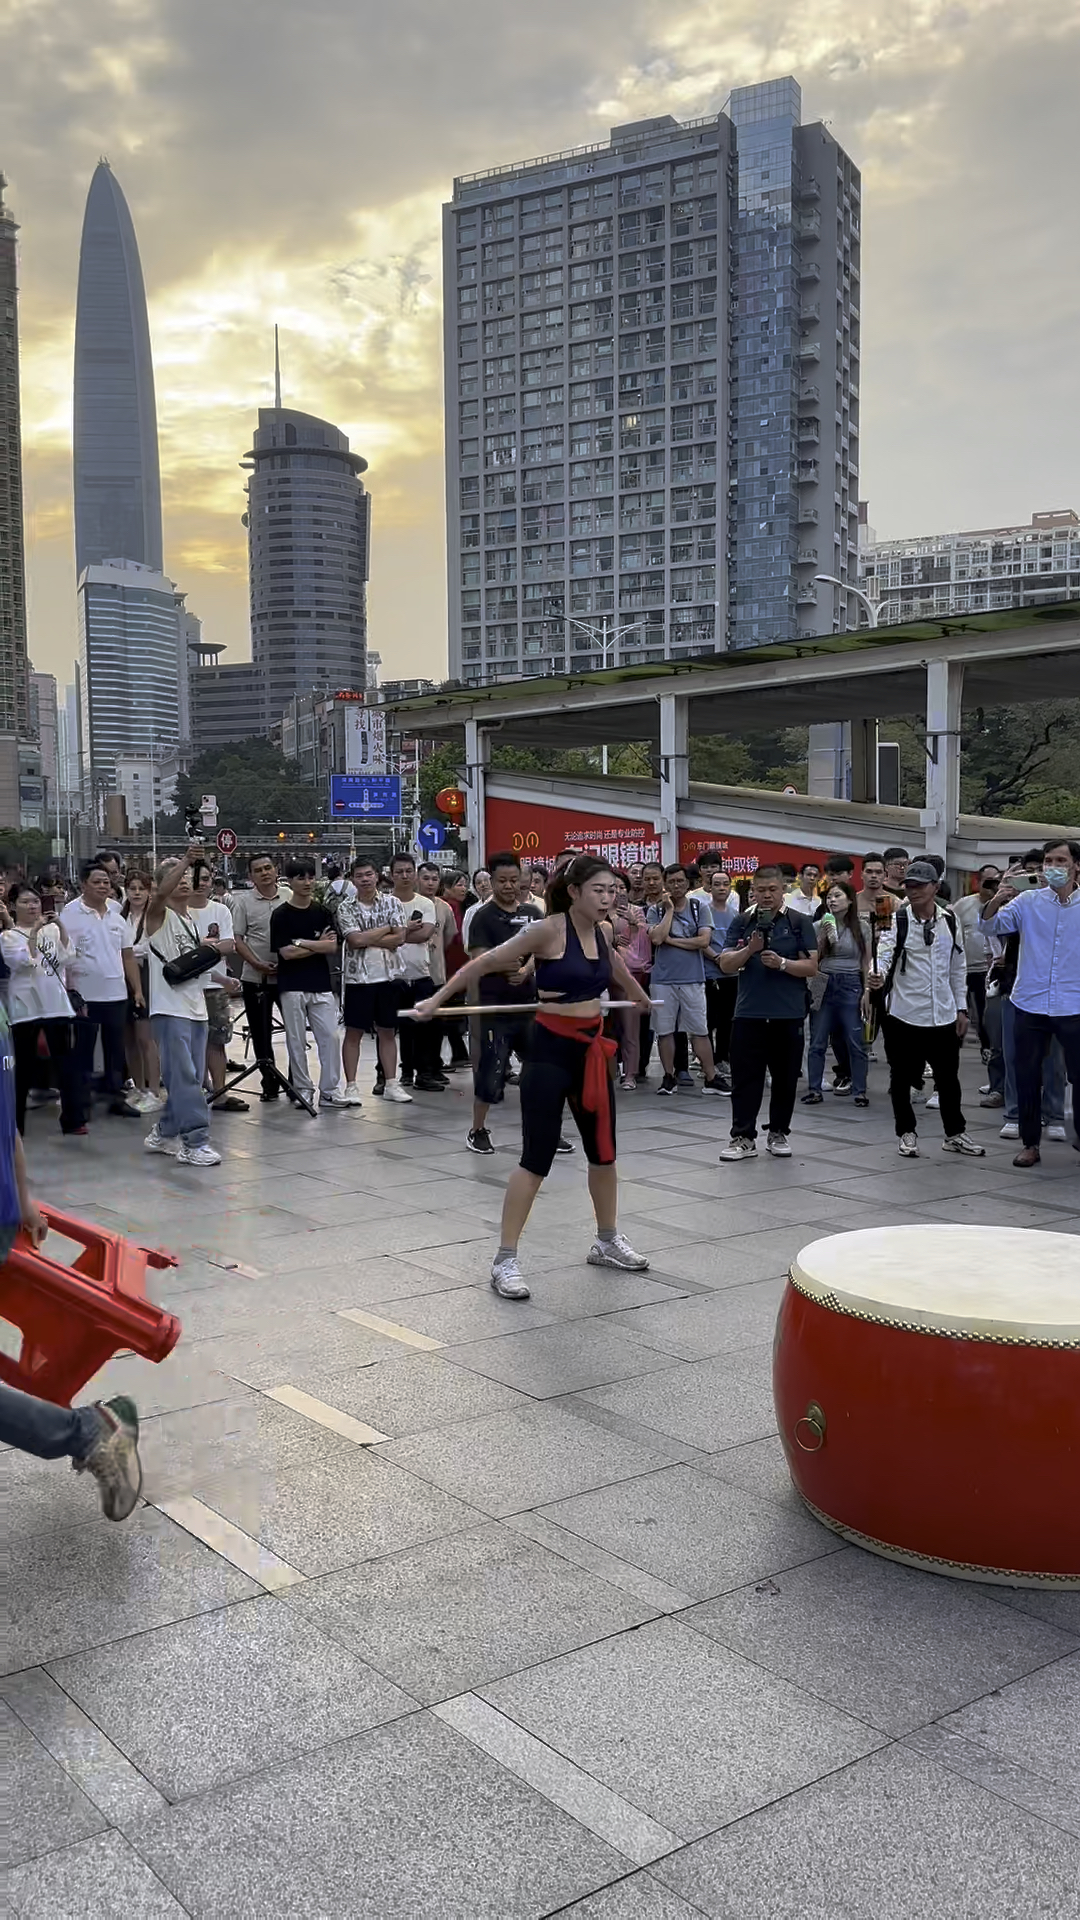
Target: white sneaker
x,y
616,1252
908,1145
1011,1130
1056,1133
506,1278
963,1143
351,1095
933,1101
335,1098
739,1149
777,1145
199,1157
156,1142
393,1090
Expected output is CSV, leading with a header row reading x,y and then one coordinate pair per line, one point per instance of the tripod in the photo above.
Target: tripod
x,y
263,1064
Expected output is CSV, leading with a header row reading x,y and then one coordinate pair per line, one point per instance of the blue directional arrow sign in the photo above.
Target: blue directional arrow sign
x,y
431,835
365,796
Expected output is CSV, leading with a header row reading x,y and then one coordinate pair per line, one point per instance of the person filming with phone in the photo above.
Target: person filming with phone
x,y
773,953
1046,991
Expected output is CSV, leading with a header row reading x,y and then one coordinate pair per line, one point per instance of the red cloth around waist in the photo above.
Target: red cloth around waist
x,y
595,1092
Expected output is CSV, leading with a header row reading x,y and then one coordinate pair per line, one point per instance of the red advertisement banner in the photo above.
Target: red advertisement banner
x,y
539,833
743,856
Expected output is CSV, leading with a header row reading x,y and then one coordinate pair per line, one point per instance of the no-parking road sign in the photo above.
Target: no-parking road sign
x,y
226,840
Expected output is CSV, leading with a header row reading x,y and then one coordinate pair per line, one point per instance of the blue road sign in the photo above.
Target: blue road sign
x,y
365,796
431,835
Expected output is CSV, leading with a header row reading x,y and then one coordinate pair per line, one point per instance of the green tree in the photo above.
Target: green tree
x,y
26,848
253,782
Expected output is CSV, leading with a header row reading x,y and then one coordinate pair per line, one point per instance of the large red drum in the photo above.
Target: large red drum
x,y
927,1388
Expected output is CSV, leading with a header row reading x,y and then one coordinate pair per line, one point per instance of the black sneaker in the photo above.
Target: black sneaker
x,y
668,1084
425,1083
379,1088
841,1086
479,1141
406,1079
564,1146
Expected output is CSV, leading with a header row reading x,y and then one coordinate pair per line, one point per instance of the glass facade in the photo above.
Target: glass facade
x,y
130,665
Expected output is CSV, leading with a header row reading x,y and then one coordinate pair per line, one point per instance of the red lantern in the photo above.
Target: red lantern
x,y
451,800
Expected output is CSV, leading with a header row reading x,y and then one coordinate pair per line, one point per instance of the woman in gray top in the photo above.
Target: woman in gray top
x,y
843,965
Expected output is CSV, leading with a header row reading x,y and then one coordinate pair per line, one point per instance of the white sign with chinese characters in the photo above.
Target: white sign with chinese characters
x,y
365,741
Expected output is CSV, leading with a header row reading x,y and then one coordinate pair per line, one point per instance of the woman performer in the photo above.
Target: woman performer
x,y
568,1058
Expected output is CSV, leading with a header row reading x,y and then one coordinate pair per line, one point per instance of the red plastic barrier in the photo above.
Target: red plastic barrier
x,y
73,1319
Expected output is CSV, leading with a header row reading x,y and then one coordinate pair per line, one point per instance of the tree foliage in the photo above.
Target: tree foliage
x,y
253,782
26,847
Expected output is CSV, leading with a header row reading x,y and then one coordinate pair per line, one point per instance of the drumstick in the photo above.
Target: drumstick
x,y
581,1009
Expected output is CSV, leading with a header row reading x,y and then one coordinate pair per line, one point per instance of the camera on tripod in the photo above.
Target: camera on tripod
x,y
193,825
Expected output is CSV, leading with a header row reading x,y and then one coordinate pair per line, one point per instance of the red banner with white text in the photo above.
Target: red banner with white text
x,y
539,833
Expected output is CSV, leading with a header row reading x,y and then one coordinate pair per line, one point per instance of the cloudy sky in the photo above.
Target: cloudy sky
x,y
288,162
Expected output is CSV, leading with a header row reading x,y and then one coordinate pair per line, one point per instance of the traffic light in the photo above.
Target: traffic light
x,y
281,836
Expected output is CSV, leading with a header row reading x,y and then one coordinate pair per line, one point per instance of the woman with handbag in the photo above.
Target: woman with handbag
x,y
842,1003
36,951
180,965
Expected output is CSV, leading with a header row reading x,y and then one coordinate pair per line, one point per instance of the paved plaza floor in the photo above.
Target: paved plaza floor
x,y
444,1606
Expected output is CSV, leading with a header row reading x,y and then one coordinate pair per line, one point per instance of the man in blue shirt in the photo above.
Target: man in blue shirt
x,y
1046,993
773,952
680,930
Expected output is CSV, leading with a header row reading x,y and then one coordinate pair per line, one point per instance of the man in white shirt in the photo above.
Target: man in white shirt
x,y
922,967
1046,993
804,898
101,969
251,911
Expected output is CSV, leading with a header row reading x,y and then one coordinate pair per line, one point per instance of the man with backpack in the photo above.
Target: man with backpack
x,y
923,970
773,953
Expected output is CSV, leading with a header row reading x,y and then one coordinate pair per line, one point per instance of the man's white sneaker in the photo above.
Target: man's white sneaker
x,y
739,1149
199,1157
157,1142
777,1145
145,1101
908,1145
1011,1130
1056,1133
934,1100
351,1095
616,1252
335,1098
963,1143
394,1090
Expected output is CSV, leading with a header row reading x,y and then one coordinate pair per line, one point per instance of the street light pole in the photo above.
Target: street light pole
x,y
605,641
831,580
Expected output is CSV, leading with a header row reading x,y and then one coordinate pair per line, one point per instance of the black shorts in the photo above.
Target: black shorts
x,y
554,1074
498,1038
372,1005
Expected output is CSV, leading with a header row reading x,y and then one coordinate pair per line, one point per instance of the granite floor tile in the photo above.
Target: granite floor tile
x,y
89,1585
318,1521
693,1530
279,1345
1061,1609
410,1394
707,1403
179,1381
562,1358
1034,1722
733,1215
409,1822
37,1496
512,1462
442,1618
576,1292
894,1646
759,1467
638,1897
118,1791
733,1261
693,1742
712,1323
98,1879
44,1808
279,1687
458,1314
407,1232
893,1836
182,1450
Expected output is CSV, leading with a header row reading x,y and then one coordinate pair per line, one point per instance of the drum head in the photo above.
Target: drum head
x,y
1006,1284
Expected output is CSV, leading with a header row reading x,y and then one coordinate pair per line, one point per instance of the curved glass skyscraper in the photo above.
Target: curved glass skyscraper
x,y
117,479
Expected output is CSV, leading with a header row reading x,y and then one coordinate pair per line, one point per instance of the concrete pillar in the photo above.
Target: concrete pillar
x,y
674,769
864,743
477,753
944,693
828,760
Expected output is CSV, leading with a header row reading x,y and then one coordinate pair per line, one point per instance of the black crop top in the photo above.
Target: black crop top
x,y
572,976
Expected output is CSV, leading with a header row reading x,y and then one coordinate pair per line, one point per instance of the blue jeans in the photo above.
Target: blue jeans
x,y
838,1010
181,1046
1053,1073
36,1426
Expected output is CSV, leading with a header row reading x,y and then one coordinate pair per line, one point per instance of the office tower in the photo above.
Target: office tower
x,y
44,725
14,665
600,442
129,667
117,481
995,567
227,702
309,523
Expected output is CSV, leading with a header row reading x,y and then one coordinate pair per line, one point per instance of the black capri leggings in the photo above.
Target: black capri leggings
x,y
554,1073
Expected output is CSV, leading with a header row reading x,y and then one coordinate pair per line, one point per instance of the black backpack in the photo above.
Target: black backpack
x,y
903,920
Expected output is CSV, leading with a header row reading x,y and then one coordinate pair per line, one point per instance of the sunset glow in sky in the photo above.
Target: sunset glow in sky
x,y
287,164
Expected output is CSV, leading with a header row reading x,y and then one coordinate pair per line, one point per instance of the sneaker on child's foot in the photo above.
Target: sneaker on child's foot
x,y
114,1458
616,1252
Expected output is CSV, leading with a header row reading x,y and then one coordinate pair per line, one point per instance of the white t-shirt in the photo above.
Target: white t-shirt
x,y
416,956
215,922
36,992
178,935
96,968
797,902
363,966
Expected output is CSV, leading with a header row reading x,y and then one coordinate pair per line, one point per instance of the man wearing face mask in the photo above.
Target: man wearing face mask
x,y
1046,992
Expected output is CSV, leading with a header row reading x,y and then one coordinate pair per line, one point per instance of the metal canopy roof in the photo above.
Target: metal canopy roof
x,y
1018,655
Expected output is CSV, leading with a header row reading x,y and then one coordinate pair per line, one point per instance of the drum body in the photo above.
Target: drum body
x,y
927,1389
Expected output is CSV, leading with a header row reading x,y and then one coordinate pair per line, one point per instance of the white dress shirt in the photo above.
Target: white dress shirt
x,y
929,986
798,902
1048,974
96,968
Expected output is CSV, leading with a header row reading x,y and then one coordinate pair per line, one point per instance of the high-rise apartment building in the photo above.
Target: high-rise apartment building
x,y
117,478
14,664
975,572
638,459
129,666
309,529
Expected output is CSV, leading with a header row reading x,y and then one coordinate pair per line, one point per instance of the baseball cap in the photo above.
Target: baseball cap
x,y
922,872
